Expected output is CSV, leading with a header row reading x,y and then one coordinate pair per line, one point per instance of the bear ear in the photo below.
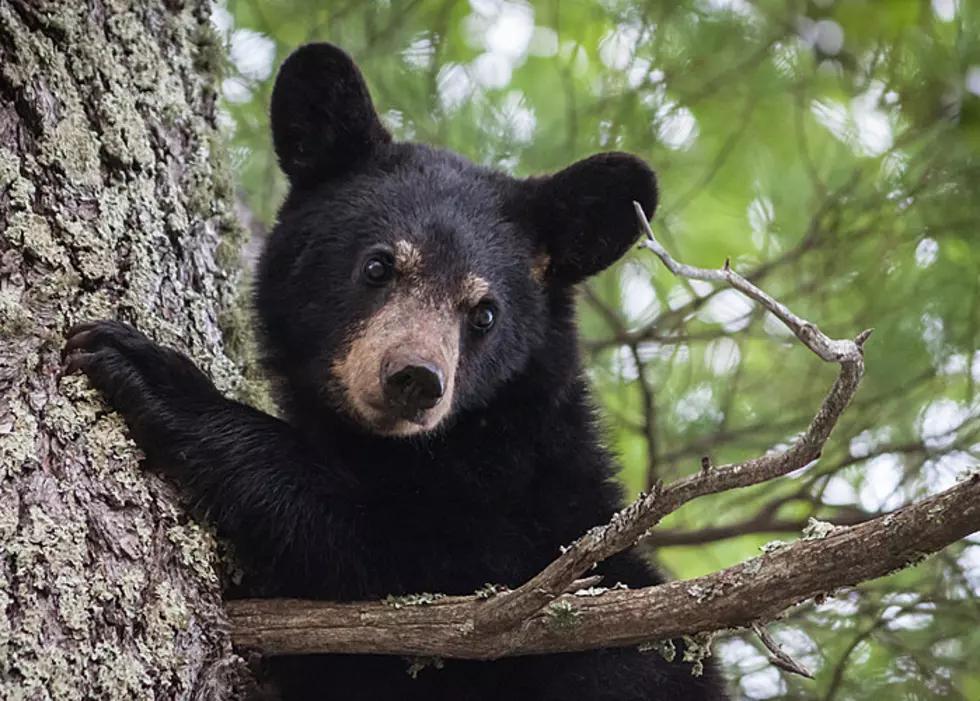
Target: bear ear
x,y
323,120
583,216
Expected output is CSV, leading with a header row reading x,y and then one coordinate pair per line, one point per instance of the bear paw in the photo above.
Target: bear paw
x,y
149,384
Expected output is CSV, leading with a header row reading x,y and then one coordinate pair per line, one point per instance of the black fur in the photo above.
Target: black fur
x,y
318,506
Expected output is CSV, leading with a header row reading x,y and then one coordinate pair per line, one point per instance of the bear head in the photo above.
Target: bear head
x,y
403,284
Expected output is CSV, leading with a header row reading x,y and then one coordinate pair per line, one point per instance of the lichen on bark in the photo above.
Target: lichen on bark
x,y
113,204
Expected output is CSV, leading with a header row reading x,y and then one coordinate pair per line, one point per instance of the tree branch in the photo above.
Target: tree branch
x,y
759,589
780,657
830,350
632,523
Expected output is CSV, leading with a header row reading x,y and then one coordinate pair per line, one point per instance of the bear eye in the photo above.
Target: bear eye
x,y
377,270
482,316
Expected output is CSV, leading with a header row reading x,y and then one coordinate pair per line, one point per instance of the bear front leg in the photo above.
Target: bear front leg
x,y
279,503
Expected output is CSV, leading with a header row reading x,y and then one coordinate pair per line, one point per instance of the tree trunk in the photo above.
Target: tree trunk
x,y
114,203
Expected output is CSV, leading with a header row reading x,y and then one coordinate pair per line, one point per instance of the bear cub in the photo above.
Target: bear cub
x,y
416,313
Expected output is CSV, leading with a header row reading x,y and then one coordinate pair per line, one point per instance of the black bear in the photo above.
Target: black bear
x,y
417,314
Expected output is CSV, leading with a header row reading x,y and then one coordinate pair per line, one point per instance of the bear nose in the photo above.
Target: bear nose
x,y
414,388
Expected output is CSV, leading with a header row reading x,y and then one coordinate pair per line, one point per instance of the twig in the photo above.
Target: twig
x,y
780,657
632,523
832,351
757,590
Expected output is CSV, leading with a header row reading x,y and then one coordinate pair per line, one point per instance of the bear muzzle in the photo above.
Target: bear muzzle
x,y
411,385
399,370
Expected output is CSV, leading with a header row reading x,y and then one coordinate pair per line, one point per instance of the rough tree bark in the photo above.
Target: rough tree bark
x,y
114,203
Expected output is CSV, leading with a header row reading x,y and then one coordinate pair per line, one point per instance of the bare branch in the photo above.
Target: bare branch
x,y
780,658
828,349
757,590
632,523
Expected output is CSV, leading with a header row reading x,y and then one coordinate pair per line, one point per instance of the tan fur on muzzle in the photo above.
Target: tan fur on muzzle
x,y
407,322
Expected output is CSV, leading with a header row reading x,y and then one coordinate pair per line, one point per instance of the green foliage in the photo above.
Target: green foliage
x,y
830,148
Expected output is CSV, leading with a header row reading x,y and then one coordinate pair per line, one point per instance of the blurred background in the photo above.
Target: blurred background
x,y
830,147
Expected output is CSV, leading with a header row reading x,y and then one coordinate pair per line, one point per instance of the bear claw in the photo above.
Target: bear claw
x,y
90,334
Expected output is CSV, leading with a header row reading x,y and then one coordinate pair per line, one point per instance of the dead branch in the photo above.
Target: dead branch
x,y
780,657
757,590
828,349
632,523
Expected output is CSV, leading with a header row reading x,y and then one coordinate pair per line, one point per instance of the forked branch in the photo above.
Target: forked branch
x,y
632,523
757,590
825,347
